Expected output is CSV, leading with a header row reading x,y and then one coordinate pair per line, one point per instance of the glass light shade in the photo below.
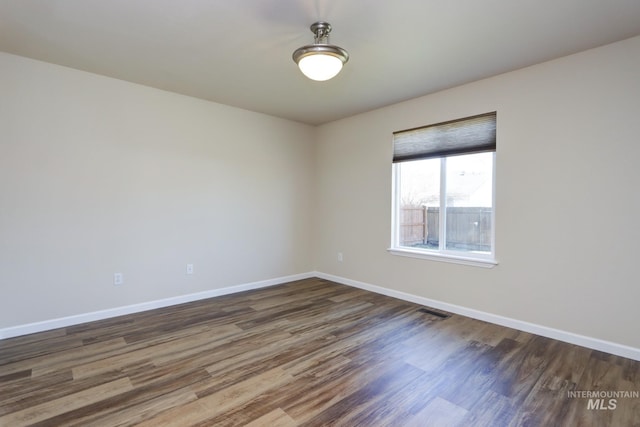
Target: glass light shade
x,y
320,66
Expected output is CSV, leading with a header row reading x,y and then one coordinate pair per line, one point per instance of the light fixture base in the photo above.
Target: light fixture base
x,y
321,31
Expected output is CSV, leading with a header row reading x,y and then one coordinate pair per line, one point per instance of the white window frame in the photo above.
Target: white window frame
x,y
442,254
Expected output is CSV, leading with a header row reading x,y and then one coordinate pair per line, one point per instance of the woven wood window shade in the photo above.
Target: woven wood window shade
x,y
474,134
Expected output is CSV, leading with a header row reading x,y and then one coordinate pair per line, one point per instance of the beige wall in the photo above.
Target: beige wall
x,y
567,208
100,176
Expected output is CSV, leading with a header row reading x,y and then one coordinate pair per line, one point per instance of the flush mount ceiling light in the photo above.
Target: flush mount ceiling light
x,y
320,61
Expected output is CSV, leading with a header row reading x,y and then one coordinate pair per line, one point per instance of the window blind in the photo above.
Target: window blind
x,y
474,134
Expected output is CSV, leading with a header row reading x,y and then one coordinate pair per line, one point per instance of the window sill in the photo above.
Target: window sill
x,y
475,262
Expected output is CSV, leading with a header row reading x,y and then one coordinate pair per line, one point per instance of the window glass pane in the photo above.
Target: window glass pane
x,y
419,203
469,201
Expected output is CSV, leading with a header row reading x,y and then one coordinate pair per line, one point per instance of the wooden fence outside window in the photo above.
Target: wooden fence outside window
x,y
468,228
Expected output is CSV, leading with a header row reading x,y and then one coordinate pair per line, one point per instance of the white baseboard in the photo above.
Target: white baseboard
x,y
62,322
569,337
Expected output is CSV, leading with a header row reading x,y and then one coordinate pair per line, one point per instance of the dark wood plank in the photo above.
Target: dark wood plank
x,y
305,353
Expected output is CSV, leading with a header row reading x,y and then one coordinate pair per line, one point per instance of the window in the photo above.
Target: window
x,y
443,188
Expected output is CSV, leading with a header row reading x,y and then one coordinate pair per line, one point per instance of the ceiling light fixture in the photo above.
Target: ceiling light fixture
x,y
320,61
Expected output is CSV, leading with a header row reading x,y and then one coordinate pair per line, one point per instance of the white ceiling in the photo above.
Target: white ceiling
x,y
238,52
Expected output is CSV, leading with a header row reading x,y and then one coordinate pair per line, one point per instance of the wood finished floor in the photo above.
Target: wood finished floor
x,y
306,353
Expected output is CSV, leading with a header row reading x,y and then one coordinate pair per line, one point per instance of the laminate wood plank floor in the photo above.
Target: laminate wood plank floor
x,y
307,353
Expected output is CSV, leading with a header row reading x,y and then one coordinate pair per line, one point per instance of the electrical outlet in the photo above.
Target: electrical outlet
x,y
340,257
118,279
189,269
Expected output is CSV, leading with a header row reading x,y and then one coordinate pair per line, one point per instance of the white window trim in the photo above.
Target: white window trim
x,y
443,257
484,261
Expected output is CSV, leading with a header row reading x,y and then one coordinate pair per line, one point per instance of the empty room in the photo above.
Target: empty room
x,y
319,213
